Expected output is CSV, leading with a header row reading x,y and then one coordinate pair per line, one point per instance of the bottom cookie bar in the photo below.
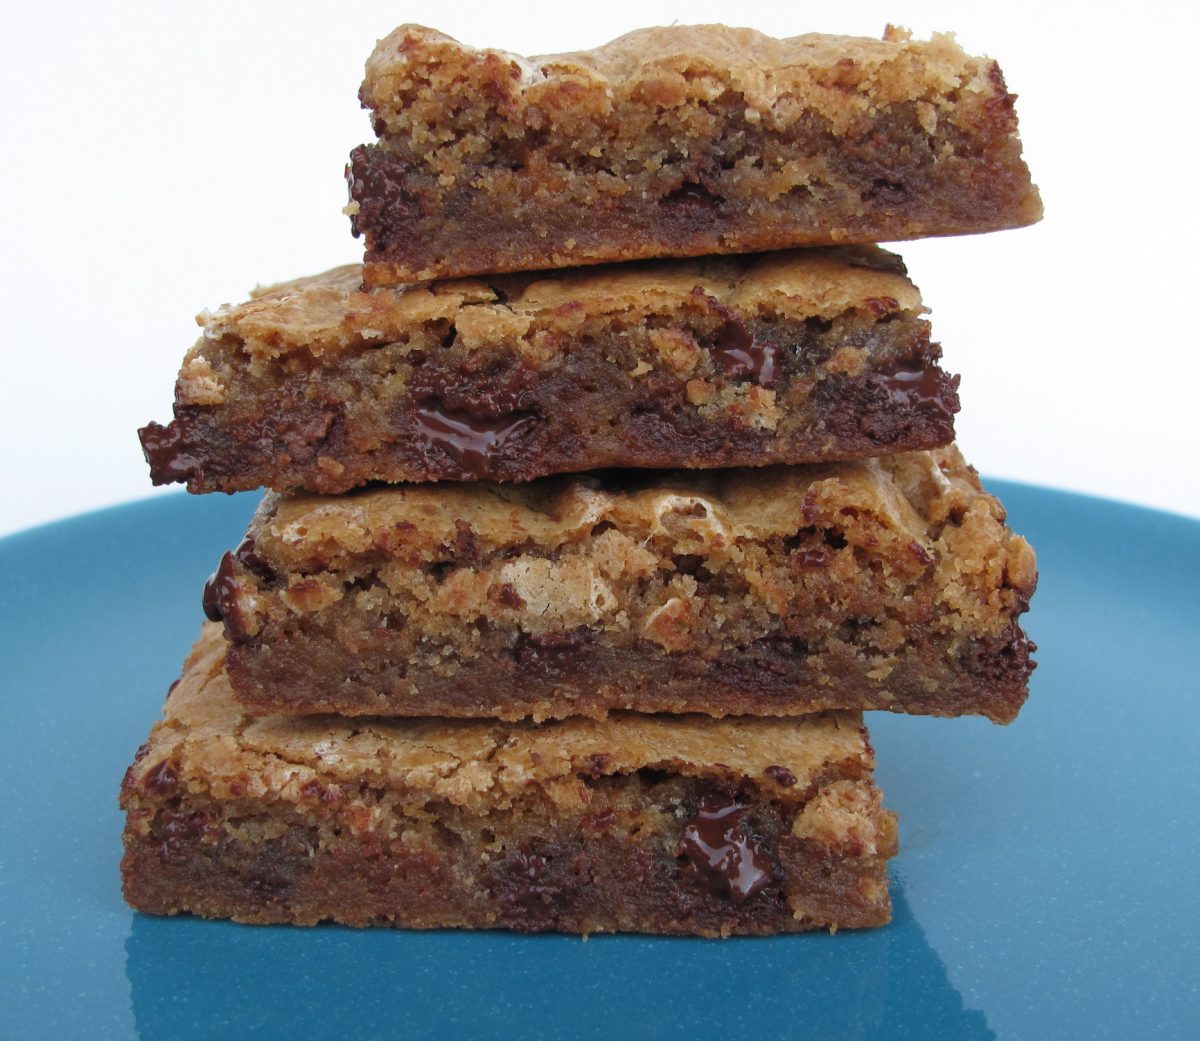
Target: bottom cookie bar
x,y
646,824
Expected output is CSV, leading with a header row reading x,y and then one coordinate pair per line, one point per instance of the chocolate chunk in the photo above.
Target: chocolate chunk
x,y
247,554
597,764
163,779
219,590
882,305
735,350
165,449
739,353
509,597
470,442
733,863
914,385
781,775
374,180
471,416
178,834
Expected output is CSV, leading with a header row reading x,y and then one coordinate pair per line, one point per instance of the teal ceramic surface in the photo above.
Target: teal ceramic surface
x,y
1047,885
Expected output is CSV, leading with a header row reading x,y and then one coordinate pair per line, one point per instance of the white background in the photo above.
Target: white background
x,y
163,158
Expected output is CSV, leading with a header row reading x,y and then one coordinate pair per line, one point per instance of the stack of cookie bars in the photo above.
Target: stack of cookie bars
x,y
599,511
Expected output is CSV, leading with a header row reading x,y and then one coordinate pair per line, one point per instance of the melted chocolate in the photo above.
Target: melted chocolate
x,y
736,351
781,775
219,590
913,385
163,779
732,862
247,554
165,451
471,441
375,180
882,305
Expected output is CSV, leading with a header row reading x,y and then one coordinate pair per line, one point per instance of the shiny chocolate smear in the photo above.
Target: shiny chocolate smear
x,y
738,353
915,386
219,590
167,452
733,862
471,441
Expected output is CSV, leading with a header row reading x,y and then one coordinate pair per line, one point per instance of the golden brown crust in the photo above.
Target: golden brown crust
x,y
889,505
329,313
839,78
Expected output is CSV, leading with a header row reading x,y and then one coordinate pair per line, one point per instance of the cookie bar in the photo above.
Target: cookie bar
x,y
737,361
883,584
676,141
635,824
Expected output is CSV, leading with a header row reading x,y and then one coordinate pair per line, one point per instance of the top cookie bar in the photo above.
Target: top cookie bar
x,y
677,141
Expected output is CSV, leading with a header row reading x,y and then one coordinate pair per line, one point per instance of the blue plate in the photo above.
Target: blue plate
x,y
1047,885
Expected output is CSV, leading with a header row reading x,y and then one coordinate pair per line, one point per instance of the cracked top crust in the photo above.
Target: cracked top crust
x,y
563,549
838,78
207,741
905,498
328,313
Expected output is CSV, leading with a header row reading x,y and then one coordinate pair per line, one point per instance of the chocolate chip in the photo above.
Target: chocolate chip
x,y
375,179
166,451
920,553
509,597
529,886
913,384
732,862
881,305
735,350
162,780
596,765
781,775
466,545
220,590
178,835
247,553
